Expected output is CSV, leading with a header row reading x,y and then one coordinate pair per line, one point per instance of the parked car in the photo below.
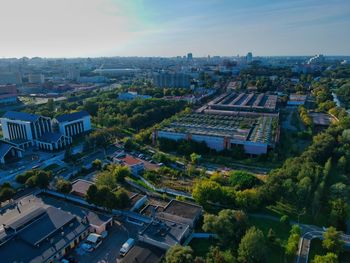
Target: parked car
x,y
127,246
92,242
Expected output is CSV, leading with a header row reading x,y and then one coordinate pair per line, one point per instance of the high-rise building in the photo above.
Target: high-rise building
x,y
10,78
189,56
73,74
249,57
171,80
36,78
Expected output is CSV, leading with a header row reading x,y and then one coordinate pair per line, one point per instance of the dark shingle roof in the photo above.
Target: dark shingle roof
x,y
23,116
50,137
72,116
5,148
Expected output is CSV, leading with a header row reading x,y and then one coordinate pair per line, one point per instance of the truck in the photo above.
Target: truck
x,y
127,246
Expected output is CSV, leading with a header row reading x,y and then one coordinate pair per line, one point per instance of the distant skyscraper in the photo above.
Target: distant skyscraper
x,y
189,56
36,78
249,57
171,80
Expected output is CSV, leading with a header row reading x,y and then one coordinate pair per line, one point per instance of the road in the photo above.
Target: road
x,y
305,242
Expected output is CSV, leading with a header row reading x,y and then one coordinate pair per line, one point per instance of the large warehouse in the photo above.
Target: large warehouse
x,y
227,128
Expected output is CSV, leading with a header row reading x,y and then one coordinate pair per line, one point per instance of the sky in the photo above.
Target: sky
x,y
93,28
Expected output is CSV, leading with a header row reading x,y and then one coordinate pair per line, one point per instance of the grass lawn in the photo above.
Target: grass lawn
x,y
275,251
201,246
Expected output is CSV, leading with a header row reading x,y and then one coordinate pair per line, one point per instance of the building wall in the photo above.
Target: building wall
x,y
216,143
171,135
75,127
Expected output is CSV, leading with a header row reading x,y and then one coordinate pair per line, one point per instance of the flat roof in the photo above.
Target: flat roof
x,y
183,209
245,101
143,253
239,127
165,231
80,187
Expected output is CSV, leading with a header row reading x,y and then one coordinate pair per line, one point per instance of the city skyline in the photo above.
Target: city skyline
x,y
94,28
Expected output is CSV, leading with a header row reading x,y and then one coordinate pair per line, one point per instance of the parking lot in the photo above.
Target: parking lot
x,y
108,251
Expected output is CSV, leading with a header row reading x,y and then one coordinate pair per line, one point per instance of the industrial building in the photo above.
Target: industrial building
x,y
241,101
235,119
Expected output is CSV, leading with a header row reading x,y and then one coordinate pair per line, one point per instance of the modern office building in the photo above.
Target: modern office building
x,y
171,80
189,56
73,124
24,128
249,57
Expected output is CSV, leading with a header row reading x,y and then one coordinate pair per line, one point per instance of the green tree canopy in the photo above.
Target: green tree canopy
x,y
179,254
252,248
229,225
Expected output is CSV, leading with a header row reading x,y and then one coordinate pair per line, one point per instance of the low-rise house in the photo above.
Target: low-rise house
x,y
32,231
80,187
135,165
296,100
181,212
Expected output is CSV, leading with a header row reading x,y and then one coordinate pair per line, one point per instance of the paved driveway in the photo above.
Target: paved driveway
x,y
108,251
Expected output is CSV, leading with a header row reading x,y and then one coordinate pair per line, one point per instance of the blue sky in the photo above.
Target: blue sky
x,y
71,28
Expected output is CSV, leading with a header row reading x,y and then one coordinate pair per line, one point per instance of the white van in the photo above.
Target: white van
x,y
127,246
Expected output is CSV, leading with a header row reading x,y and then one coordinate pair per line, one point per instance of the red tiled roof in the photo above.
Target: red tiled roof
x,y
129,160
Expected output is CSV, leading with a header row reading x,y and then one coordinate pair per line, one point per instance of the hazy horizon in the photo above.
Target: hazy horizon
x,y
156,28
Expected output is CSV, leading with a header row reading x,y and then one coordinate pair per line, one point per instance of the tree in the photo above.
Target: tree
x,y
293,241
107,179
206,191
6,192
122,198
97,164
339,212
120,172
328,258
194,158
63,185
215,255
91,194
332,241
252,248
179,254
241,180
229,225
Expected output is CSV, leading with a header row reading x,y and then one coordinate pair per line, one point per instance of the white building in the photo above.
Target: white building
x,y
74,124
24,128
132,95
